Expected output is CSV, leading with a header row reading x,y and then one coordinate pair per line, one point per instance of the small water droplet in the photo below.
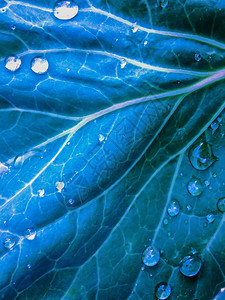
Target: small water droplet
x,y
39,65
41,193
145,43
201,156
142,268
13,27
65,10
221,204
189,207
195,186
28,266
67,70
210,218
190,265
59,185
207,183
214,126
30,233
123,63
150,256
3,9
12,63
214,174
135,28
220,120
9,243
71,201
164,3
198,57
165,221
162,290
101,138
173,208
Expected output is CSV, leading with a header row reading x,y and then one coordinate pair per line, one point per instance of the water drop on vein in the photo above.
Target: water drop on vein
x,y
59,185
9,243
39,65
201,156
195,186
173,208
65,10
30,233
123,63
162,291
101,138
190,265
135,28
12,63
41,193
210,218
221,204
150,256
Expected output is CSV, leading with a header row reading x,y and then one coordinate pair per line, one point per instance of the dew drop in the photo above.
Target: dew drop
x,y
13,27
198,57
189,207
207,183
12,63
123,63
39,65
101,138
9,243
173,208
28,266
145,43
162,290
135,28
201,156
30,233
214,126
65,10
59,185
3,9
214,174
210,218
195,187
221,204
190,265
164,3
165,221
41,193
150,256
70,202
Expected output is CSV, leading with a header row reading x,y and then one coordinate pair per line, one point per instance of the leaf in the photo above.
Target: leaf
x,y
94,149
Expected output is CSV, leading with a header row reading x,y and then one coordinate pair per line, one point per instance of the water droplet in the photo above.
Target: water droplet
x,y
198,57
162,290
9,243
215,125
3,9
135,28
150,256
28,266
142,268
65,10
221,204
101,138
214,174
164,3
24,157
190,265
165,221
220,120
39,65
71,201
201,156
67,69
207,183
189,207
123,63
195,186
30,233
145,43
12,63
173,208
59,185
210,218
41,193
13,27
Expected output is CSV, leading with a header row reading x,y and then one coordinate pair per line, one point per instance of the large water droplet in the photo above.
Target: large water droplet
x,y
24,157
195,186
9,243
164,3
201,156
150,256
30,233
59,185
65,10
39,65
162,290
190,265
173,208
221,204
12,63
